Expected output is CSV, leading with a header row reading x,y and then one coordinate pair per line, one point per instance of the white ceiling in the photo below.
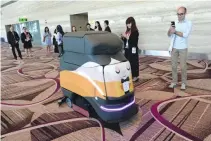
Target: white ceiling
x,y
27,8
4,1
46,8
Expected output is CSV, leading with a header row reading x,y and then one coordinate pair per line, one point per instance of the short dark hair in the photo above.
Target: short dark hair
x,y
106,22
24,27
87,24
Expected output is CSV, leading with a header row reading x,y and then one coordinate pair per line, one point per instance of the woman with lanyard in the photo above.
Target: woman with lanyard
x,y
125,36
130,38
59,39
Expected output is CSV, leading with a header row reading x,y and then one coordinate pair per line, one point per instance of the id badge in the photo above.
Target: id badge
x,y
134,50
126,86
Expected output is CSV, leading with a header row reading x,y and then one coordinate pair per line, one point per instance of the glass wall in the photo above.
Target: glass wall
x,y
33,27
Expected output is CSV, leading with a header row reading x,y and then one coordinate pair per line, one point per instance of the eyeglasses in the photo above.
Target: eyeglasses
x,y
180,14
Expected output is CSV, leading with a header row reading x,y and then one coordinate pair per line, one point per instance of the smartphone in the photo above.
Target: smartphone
x,y
172,23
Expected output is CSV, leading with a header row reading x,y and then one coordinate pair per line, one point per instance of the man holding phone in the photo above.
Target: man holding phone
x,y
179,32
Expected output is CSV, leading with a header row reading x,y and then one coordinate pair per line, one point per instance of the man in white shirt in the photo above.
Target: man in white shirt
x,y
179,46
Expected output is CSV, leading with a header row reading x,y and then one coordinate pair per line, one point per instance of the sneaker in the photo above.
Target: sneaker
x,y
69,103
135,79
183,87
172,85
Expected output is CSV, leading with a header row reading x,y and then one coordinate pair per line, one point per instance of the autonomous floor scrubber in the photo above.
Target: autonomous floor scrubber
x,y
96,77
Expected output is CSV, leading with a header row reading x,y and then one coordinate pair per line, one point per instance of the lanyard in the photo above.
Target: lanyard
x,y
128,34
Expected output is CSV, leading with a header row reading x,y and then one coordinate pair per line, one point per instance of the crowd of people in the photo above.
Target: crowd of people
x,y
179,34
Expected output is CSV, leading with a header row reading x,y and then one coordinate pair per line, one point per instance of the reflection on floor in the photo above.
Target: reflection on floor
x,y
30,89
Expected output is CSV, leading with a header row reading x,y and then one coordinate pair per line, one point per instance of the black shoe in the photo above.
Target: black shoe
x,y
61,101
60,55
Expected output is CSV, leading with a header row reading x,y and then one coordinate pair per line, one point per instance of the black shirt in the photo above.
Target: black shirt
x,y
108,29
12,37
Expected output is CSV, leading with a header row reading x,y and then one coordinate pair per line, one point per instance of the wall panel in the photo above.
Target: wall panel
x,y
153,18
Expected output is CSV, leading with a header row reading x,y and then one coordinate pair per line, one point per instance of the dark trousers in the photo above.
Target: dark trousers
x,y
134,62
61,51
56,50
16,46
126,53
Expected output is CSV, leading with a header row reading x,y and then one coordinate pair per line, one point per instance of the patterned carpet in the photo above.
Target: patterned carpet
x,y
30,90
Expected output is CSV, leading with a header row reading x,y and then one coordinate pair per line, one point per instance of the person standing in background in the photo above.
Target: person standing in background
x,y
47,39
13,40
130,38
59,39
88,27
106,25
26,39
56,50
98,26
74,29
179,46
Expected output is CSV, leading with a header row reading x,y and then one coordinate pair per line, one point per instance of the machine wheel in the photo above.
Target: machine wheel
x,y
84,104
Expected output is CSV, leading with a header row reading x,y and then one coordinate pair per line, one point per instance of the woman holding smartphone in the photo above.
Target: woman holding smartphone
x,y
130,38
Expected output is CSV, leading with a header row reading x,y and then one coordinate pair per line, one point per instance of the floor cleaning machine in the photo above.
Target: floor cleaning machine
x,y
96,77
